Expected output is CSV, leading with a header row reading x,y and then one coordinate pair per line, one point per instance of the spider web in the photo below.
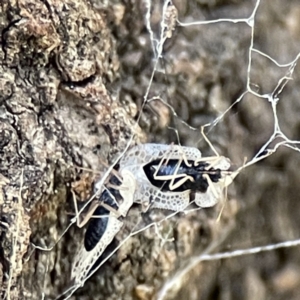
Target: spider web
x,y
269,68
267,74
241,86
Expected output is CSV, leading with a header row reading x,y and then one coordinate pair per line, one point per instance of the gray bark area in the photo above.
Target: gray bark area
x,y
73,75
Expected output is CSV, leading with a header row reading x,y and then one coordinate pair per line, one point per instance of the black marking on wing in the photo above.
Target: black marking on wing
x,y
97,226
199,184
96,229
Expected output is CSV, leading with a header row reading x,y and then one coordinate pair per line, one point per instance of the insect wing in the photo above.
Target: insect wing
x,y
175,201
141,154
85,260
145,153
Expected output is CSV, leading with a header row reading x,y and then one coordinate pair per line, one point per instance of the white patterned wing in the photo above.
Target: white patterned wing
x,y
175,201
85,260
145,153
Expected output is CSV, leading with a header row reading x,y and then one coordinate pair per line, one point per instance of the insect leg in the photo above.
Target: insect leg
x,y
113,171
127,191
87,216
185,178
211,186
173,176
208,142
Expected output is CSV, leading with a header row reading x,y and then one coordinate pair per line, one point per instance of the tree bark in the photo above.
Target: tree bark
x,y
73,76
57,59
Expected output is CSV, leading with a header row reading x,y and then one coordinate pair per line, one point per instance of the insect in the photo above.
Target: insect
x,y
155,176
106,222
165,172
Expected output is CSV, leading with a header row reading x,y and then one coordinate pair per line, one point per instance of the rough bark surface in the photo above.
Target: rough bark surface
x,y
73,74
